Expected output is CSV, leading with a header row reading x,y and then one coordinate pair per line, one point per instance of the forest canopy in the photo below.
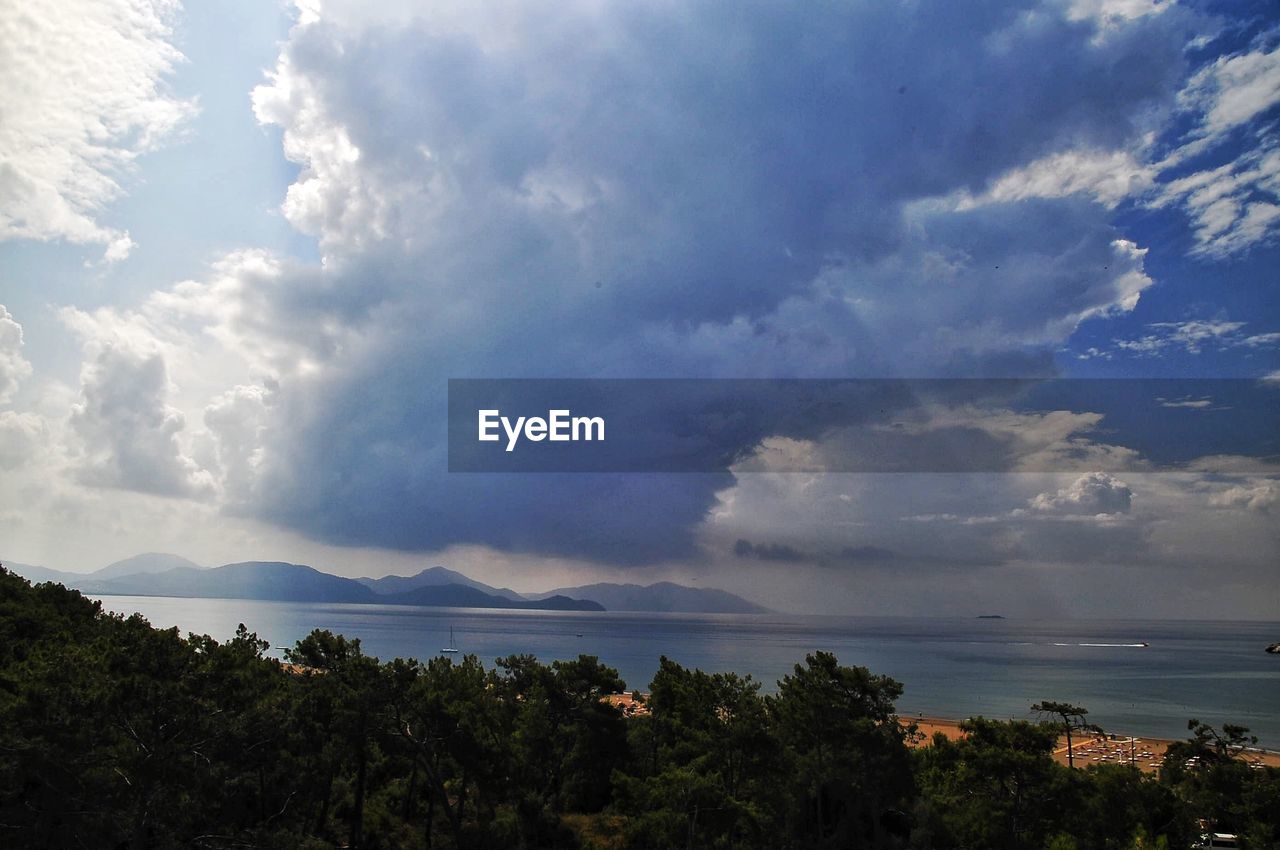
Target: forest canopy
x,y
117,734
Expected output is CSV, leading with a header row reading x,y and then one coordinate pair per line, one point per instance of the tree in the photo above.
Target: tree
x,y
346,694
568,737
1116,806
850,769
1206,770
1070,718
709,764
997,787
451,721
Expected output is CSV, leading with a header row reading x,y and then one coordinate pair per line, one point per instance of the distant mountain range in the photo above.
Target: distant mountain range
x,y
35,574
147,563
433,577
663,596
158,574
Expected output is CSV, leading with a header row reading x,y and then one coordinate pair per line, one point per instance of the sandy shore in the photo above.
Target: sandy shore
x,y
1144,753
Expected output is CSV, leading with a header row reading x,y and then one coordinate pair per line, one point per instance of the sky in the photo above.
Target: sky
x,y
244,246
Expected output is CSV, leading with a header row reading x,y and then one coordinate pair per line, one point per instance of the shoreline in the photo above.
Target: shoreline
x,y
1144,752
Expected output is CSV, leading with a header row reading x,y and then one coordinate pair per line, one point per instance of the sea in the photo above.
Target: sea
x,y
1135,677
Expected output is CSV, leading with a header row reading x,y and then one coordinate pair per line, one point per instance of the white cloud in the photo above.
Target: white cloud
x,y
1089,495
500,191
238,421
1259,494
1193,337
13,366
21,436
333,197
278,318
1108,177
129,437
82,93
119,248
1233,205
471,175
1232,91
1114,13
1186,403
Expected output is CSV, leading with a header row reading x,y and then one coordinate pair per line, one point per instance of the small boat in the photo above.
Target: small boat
x,y
451,647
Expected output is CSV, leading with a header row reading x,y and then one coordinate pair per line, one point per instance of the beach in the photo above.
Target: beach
x,y
1143,753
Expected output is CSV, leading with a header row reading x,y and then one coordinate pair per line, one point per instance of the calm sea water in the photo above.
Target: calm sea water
x,y
1212,670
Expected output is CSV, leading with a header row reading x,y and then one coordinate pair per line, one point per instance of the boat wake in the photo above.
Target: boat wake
x,y
1135,645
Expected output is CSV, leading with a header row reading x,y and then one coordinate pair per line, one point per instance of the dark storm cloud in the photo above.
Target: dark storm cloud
x,y
846,557
770,551
705,190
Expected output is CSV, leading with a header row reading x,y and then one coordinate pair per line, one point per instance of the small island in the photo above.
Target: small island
x,y
990,616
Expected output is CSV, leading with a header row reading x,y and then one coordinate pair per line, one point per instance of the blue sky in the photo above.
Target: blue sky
x,y
243,247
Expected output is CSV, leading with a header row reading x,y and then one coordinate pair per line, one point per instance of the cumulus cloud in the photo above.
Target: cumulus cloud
x,y
618,191
238,420
21,436
278,318
13,366
1089,495
128,433
901,525
82,92
966,436
1260,494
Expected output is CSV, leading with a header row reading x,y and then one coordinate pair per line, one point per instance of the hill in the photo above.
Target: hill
x,y
159,574
462,596
267,580
435,577
281,582
145,564
35,574
665,596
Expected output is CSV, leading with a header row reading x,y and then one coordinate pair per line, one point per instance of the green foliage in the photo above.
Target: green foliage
x,y
1222,789
998,787
116,734
1068,719
706,764
850,773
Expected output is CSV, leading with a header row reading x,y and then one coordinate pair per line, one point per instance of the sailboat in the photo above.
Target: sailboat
x,y
451,647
